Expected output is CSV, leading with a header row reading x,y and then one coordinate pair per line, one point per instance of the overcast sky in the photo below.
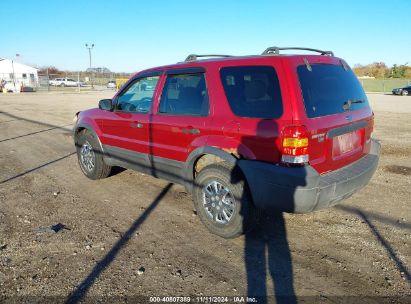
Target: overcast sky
x,y
132,35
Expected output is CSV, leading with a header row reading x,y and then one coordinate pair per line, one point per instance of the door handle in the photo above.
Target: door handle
x,y
190,130
136,125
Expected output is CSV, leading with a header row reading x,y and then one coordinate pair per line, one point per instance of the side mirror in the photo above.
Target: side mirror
x,y
105,104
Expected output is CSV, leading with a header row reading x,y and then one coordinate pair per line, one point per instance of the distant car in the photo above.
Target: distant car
x,y
402,91
27,89
64,82
146,87
111,84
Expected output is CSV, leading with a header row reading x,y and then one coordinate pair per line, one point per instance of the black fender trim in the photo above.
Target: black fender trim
x,y
195,154
89,129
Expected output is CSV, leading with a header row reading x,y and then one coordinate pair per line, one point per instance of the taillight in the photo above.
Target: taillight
x,y
295,145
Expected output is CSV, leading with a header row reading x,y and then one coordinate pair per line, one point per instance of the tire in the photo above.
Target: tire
x,y
91,164
236,202
62,85
404,93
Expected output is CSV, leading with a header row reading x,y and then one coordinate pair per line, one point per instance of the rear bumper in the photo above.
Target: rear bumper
x,y
302,190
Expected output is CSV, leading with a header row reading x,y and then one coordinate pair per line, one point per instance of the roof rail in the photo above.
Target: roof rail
x,y
276,50
194,57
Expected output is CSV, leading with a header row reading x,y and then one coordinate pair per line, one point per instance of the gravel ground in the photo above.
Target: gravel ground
x,y
132,235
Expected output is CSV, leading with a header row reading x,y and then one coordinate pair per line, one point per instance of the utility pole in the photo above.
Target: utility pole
x,y
89,47
78,81
48,80
14,75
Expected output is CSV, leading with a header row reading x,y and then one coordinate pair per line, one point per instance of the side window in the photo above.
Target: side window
x,y
252,91
137,98
185,94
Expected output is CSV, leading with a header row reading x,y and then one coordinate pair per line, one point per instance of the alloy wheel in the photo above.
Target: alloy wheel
x,y
87,157
218,202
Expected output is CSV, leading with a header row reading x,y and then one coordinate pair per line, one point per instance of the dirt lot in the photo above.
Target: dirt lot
x,y
132,235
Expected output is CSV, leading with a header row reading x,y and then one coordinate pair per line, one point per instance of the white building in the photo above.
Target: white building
x,y
21,74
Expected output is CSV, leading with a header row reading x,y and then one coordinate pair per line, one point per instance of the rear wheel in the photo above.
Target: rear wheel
x,y
62,85
222,200
404,93
90,156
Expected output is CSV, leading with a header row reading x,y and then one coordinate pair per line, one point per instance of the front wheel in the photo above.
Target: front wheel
x,y
90,156
404,92
222,200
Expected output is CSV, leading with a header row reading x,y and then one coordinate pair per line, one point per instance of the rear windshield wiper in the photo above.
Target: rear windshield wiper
x,y
347,104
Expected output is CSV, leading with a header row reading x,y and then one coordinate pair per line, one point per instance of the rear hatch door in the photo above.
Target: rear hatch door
x,y
337,114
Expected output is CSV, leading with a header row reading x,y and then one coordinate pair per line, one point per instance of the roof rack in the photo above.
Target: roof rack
x,y
194,57
276,50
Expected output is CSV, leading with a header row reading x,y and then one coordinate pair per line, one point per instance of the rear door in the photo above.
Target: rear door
x,y
179,121
255,95
338,115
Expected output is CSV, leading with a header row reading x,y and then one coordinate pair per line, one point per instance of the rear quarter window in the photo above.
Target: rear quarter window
x,y
327,87
252,91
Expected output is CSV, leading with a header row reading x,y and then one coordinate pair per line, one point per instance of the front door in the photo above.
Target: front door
x,y
126,129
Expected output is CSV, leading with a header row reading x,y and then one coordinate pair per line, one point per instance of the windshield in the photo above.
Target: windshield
x,y
330,89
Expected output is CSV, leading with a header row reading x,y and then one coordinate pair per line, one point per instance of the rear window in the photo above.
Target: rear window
x,y
330,89
252,91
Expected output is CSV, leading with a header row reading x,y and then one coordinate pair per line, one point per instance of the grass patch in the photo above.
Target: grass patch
x,y
383,85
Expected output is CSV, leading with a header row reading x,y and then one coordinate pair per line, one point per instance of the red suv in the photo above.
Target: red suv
x,y
274,131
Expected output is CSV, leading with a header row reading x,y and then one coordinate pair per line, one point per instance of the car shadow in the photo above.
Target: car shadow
x,y
116,170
